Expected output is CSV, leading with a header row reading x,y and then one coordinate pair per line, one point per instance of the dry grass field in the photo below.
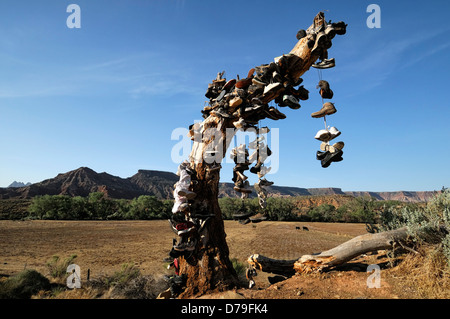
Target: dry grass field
x,y
104,246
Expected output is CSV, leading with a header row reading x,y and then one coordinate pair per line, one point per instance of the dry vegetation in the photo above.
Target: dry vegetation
x,y
116,252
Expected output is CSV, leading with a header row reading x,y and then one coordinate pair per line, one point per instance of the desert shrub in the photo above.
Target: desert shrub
x,y
124,275
358,210
323,213
430,224
57,267
23,285
98,207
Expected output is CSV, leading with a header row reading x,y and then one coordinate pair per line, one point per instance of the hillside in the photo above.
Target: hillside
x,y
82,181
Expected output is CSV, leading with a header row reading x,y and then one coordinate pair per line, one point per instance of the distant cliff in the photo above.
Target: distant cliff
x,y
82,181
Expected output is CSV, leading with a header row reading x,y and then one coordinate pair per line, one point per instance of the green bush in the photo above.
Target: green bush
x,y
58,268
23,285
430,224
98,207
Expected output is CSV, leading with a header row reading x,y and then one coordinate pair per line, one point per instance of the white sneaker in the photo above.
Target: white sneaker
x,y
323,135
334,132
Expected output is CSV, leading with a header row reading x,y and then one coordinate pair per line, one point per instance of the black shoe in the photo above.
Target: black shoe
x,y
321,155
332,157
340,27
301,34
301,93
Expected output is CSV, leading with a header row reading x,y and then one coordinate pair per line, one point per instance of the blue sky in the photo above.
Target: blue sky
x,y
109,95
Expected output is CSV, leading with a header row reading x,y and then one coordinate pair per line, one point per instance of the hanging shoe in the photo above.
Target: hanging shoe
x,y
327,109
301,34
325,64
325,91
187,193
324,146
331,157
301,93
340,27
291,101
276,113
320,43
321,155
323,135
265,182
334,132
336,147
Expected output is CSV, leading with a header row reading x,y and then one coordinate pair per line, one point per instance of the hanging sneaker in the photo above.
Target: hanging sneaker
x,y
265,182
325,64
301,93
323,135
277,113
331,157
334,132
336,147
291,101
325,91
324,146
327,109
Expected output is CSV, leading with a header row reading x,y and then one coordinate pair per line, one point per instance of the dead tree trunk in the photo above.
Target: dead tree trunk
x,y
333,257
209,267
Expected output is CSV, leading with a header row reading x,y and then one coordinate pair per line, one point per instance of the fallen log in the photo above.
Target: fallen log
x,y
330,258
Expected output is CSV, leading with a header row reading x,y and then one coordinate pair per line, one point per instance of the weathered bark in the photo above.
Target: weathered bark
x,y
349,250
333,257
210,267
275,266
